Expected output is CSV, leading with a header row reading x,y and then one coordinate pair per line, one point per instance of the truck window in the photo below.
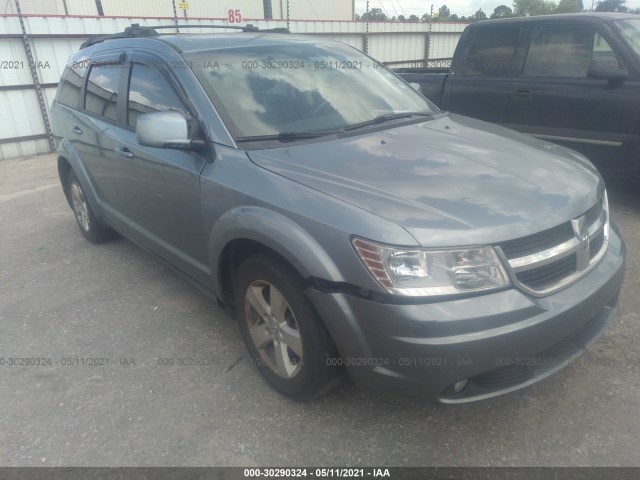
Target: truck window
x,y
150,91
566,51
630,30
491,52
102,90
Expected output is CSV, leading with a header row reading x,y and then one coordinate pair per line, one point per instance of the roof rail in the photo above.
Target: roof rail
x,y
137,30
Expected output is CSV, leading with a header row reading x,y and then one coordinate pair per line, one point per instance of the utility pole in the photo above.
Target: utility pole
x,y
428,40
35,79
175,15
366,30
288,14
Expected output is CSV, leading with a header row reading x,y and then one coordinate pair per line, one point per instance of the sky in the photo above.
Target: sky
x,y
461,7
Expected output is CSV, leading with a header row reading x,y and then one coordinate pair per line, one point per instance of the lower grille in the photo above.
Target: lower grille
x,y
502,377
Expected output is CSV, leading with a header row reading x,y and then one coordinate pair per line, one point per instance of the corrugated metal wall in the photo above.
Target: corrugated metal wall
x,y
298,9
53,39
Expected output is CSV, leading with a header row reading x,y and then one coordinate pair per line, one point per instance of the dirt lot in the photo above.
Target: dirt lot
x,y
65,299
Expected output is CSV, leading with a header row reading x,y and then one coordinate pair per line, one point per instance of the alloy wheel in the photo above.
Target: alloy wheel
x,y
274,329
80,207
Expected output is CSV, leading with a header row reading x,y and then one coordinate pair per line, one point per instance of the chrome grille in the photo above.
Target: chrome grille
x,y
550,260
538,241
596,243
547,275
594,213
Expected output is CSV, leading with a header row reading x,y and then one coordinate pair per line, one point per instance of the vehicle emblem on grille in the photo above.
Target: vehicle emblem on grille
x,y
581,231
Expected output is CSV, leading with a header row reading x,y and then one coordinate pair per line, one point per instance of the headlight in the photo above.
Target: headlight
x,y
420,272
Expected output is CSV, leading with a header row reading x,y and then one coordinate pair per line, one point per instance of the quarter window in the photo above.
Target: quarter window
x,y
69,89
102,90
150,91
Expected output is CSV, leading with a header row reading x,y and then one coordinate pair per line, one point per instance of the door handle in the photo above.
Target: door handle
x,y
124,152
77,130
522,94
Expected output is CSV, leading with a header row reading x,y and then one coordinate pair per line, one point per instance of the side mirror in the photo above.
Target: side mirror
x,y
165,130
415,86
607,68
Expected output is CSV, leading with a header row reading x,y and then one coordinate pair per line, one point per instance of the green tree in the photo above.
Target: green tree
x,y
401,18
413,18
375,15
454,17
524,8
479,15
570,6
612,6
444,13
502,11
426,17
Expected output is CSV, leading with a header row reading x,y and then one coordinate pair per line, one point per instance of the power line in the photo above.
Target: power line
x,y
385,10
314,10
394,8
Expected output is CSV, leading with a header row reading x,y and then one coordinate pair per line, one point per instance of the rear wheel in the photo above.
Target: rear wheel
x,y
89,225
284,335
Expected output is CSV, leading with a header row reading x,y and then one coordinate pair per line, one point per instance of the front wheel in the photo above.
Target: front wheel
x,y
284,335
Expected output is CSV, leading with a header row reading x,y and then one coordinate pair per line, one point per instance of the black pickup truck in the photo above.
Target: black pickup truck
x,y
569,79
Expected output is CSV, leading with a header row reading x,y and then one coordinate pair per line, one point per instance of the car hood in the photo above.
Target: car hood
x,y
450,180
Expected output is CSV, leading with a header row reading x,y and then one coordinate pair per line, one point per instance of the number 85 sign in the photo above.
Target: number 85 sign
x,y
234,16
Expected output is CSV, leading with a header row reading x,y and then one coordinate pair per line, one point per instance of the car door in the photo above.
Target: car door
x,y
95,128
479,87
162,186
553,97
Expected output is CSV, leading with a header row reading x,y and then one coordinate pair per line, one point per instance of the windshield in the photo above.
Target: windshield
x,y
630,30
300,87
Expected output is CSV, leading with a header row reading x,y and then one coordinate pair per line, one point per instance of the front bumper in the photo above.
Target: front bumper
x,y
500,342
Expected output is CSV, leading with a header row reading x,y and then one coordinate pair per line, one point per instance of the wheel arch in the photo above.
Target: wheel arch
x,y
68,159
64,167
246,230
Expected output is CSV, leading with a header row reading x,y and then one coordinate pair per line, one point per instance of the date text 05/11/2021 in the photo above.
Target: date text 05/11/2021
x,y
316,472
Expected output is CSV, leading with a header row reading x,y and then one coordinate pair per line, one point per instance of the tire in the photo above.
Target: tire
x,y
294,332
88,224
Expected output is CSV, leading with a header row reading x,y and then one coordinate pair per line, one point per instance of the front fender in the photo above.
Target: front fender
x,y
275,231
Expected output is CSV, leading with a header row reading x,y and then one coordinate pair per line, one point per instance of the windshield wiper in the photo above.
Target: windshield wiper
x,y
291,136
285,136
385,118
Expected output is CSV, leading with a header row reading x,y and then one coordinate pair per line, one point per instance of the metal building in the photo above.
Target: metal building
x,y
235,11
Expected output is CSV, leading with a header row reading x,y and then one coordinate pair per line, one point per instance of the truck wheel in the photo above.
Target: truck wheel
x,y
89,225
284,335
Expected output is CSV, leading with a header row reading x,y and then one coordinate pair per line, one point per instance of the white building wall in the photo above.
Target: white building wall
x,y
251,9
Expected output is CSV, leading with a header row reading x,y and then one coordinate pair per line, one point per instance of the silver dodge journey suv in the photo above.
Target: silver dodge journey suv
x,y
349,225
